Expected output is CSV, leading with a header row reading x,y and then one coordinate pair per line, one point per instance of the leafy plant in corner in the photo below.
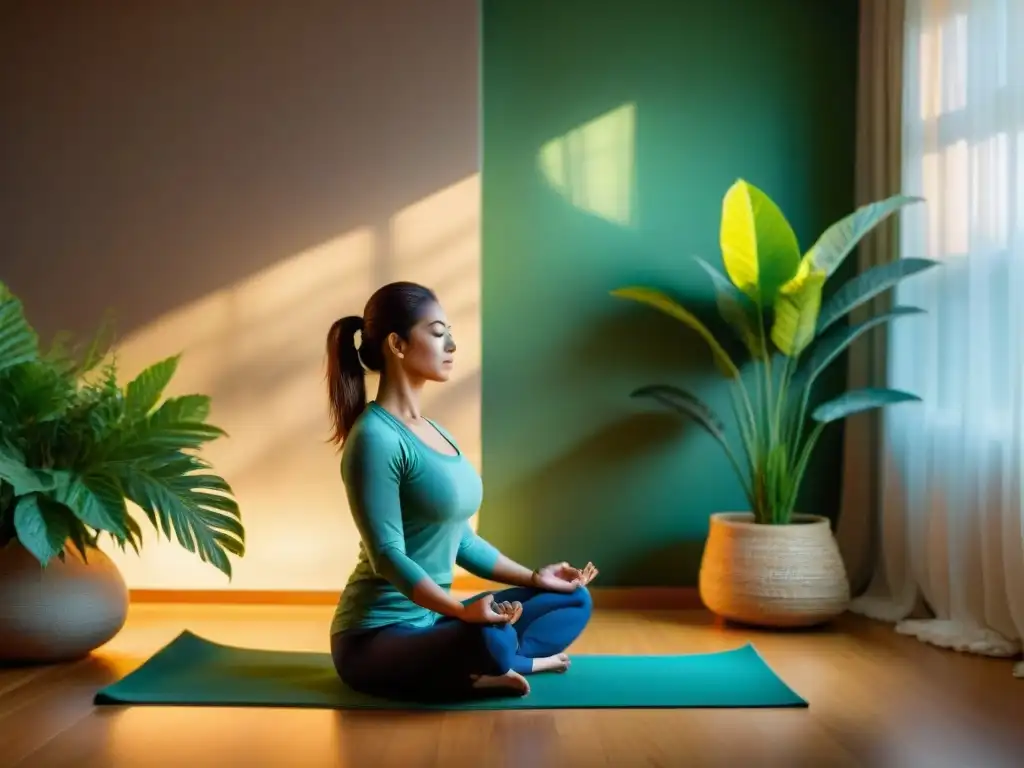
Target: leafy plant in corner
x,y
75,447
768,284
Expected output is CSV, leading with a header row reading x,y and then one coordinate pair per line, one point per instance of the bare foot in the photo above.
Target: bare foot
x,y
511,681
557,663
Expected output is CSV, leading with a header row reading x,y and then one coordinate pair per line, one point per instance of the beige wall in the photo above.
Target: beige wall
x,y
230,177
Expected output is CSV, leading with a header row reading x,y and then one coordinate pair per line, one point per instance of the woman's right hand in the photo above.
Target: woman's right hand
x,y
487,611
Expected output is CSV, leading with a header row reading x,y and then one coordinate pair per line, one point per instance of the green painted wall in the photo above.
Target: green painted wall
x,y
659,106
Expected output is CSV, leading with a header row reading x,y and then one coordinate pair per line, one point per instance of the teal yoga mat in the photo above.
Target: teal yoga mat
x,y
192,671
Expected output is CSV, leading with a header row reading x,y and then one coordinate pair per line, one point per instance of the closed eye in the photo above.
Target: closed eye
x,y
440,329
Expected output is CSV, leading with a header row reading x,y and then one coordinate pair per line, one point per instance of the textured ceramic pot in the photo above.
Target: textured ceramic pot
x,y
773,575
61,612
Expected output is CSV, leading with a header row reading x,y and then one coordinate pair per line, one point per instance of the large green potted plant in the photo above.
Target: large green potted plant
x,y
75,447
772,564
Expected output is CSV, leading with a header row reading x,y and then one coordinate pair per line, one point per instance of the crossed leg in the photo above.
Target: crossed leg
x,y
549,624
449,658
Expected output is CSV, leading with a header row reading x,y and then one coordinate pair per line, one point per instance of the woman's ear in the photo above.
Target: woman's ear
x,y
396,345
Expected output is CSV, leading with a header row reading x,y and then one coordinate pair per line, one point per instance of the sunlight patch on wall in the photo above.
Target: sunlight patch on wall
x,y
257,348
594,166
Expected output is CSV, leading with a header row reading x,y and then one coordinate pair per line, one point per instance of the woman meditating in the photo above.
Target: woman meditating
x,y
397,632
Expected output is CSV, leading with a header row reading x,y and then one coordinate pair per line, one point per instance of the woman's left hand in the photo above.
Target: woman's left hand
x,y
562,577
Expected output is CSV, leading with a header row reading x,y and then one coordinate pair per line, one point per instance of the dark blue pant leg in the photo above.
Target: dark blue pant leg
x,y
550,623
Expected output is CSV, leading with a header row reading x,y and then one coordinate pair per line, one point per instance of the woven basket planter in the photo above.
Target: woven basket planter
x,y
773,575
61,612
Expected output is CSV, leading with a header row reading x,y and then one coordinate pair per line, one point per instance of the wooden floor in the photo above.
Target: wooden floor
x,y
876,699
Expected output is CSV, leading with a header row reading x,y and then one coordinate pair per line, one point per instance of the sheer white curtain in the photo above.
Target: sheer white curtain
x,y
951,516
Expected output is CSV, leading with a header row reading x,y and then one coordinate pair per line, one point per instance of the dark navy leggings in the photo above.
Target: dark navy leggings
x,y
436,663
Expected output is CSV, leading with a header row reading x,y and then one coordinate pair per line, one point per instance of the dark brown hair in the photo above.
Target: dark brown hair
x,y
393,308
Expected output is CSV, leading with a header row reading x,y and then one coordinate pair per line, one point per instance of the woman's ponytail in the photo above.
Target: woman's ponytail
x,y
346,379
393,308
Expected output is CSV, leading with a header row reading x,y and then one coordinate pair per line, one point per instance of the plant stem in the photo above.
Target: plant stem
x,y
764,436
804,401
744,421
801,467
768,375
747,405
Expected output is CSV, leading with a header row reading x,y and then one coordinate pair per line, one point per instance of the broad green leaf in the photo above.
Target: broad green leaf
x,y
194,526
211,497
80,537
200,521
96,500
22,478
134,537
144,390
18,341
176,425
836,242
42,526
187,408
858,401
796,313
759,247
43,393
736,309
665,304
830,346
867,285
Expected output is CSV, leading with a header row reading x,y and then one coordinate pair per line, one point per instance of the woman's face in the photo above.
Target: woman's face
x,y
429,353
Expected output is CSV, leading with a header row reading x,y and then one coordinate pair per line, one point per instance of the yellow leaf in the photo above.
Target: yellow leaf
x,y
794,284
759,248
796,312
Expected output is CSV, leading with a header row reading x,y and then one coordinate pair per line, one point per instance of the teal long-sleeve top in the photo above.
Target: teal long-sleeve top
x,y
411,504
